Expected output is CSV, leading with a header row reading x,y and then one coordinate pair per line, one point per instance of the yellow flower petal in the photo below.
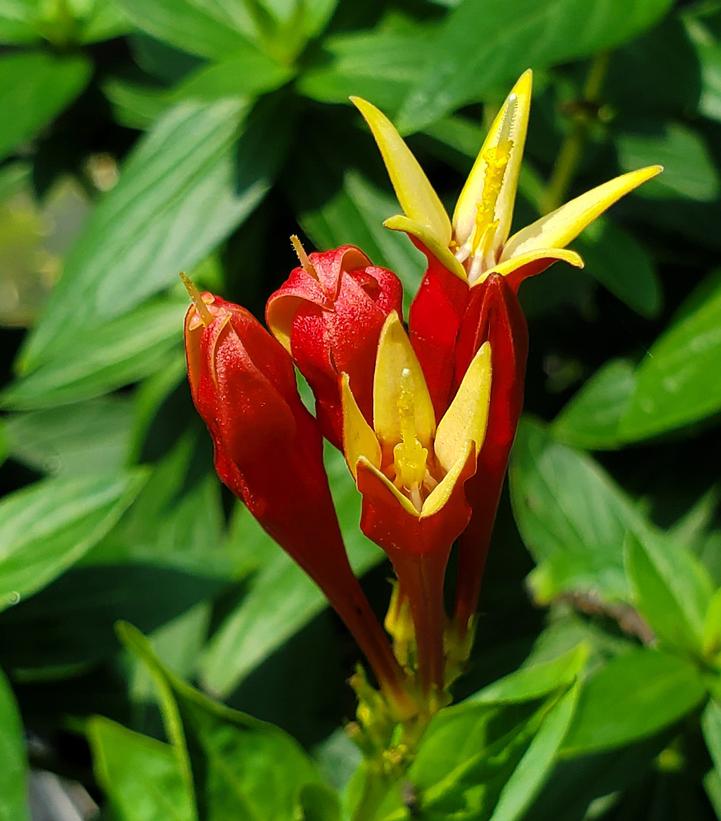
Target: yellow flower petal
x,y
359,440
395,355
403,500
415,193
517,106
425,237
563,225
466,418
550,254
441,493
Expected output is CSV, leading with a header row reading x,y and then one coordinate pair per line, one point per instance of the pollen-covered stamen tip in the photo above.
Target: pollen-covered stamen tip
x,y
409,455
206,317
303,258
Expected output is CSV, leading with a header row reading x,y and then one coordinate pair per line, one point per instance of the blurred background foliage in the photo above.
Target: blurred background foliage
x,y
143,137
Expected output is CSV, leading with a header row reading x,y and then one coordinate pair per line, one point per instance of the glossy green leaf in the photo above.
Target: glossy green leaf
x,y
380,66
711,725
709,55
240,767
98,360
534,681
485,43
281,599
17,18
34,88
673,387
634,696
671,590
572,517
13,765
487,762
591,419
621,264
140,775
200,27
190,181
712,628
46,527
86,438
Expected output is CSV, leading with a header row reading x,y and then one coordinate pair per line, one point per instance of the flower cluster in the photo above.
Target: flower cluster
x,y
425,417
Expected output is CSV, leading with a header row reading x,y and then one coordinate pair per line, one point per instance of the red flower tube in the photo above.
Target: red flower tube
x,y
268,451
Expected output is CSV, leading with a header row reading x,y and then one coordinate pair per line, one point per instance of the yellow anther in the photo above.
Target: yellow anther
x,y
202,309
305,262
409,456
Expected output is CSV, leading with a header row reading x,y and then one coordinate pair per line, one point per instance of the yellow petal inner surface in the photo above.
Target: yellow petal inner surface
x,y
416,195
550,254
486,201
359,440
563,225
466,418
440,494
398,374
425,237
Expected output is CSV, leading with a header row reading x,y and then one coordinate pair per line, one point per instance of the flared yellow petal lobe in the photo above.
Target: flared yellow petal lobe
x,y
415,194
397,372
563,225
404,501
466,418
511,123
359,440
430,241
550,254
441,493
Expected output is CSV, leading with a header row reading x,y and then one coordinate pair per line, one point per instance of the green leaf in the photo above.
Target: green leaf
x,y
671,589
86,438
711,725
239,767
712,628
689,168
98,360
17,22
377,65
535,681
485,43
200,27
572,517
281,599
592,417
189,182
13,772
139,775
672,383
34,88
709,55
621,264
46,527
634,696
484,761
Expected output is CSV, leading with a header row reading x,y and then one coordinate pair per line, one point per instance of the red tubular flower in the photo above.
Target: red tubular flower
x,y
268,451
328,315
411,473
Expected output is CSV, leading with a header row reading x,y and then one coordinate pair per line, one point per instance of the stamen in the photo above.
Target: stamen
x,y
303,258
201,308
409,456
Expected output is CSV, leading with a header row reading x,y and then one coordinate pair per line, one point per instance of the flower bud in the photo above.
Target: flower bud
x,y
328,314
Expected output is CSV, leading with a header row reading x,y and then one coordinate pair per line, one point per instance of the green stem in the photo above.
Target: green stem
x,y
569,157
375,788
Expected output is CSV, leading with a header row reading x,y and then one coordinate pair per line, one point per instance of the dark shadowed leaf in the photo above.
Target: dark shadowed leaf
x,y
13,765
34,88
488,42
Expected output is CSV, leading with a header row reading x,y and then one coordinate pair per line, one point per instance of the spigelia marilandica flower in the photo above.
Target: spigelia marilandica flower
x,y
268,451
468,293
464,251
411,473
328,315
